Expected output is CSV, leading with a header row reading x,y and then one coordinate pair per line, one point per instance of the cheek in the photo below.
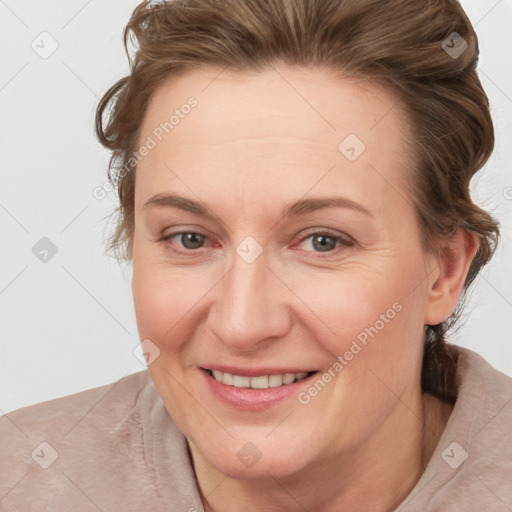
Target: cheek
x,y
370,323
360,304
167,300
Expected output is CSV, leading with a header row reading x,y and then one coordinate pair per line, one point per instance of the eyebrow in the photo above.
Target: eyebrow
x,y
301,207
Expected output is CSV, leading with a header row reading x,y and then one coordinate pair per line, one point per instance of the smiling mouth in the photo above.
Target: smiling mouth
x,y
259,382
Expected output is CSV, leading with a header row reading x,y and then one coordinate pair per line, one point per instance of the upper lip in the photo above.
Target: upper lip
x,y
254,372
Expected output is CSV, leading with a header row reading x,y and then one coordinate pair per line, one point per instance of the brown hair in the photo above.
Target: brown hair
x,y
408,45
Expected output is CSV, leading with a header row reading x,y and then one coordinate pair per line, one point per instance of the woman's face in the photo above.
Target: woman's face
x,y
274,235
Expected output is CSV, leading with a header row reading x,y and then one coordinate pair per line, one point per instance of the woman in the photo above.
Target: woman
x,y
293,179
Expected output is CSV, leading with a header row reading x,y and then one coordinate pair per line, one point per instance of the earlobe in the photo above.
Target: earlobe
x,y
453,265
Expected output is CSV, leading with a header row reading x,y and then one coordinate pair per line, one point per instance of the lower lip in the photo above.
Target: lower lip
x,y
253,399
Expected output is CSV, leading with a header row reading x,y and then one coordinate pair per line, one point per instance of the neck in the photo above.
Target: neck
x,y
374,477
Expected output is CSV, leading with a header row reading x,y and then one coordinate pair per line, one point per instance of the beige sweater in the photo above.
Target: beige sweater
x,y
115,448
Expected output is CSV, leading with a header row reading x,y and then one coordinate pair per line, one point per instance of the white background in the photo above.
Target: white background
x,y
68,324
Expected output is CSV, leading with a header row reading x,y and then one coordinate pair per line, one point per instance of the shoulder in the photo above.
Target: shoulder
x,y
471,468
60,416
76,449
484,403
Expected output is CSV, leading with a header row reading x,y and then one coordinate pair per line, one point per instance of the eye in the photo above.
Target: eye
x,y
317,241
187,241
324,241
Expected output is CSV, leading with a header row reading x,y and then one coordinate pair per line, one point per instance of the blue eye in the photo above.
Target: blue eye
x,y
324,242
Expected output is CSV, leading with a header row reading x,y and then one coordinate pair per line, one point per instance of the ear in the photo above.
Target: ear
x,y
453,264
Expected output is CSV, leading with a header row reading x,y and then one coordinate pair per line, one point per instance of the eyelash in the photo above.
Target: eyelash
x,y
344,242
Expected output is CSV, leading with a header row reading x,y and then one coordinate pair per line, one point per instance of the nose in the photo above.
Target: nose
x,y
249,306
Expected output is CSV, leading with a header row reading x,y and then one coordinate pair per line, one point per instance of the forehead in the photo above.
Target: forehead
x,y
322,101
284,127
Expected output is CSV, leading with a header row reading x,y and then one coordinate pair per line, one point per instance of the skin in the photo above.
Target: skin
x,y
256,142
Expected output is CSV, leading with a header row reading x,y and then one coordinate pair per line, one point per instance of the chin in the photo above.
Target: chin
x,y
248,460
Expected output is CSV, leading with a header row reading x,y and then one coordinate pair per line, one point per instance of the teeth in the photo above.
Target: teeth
x,y
274,381
227,378
241,382
288,378
260,382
